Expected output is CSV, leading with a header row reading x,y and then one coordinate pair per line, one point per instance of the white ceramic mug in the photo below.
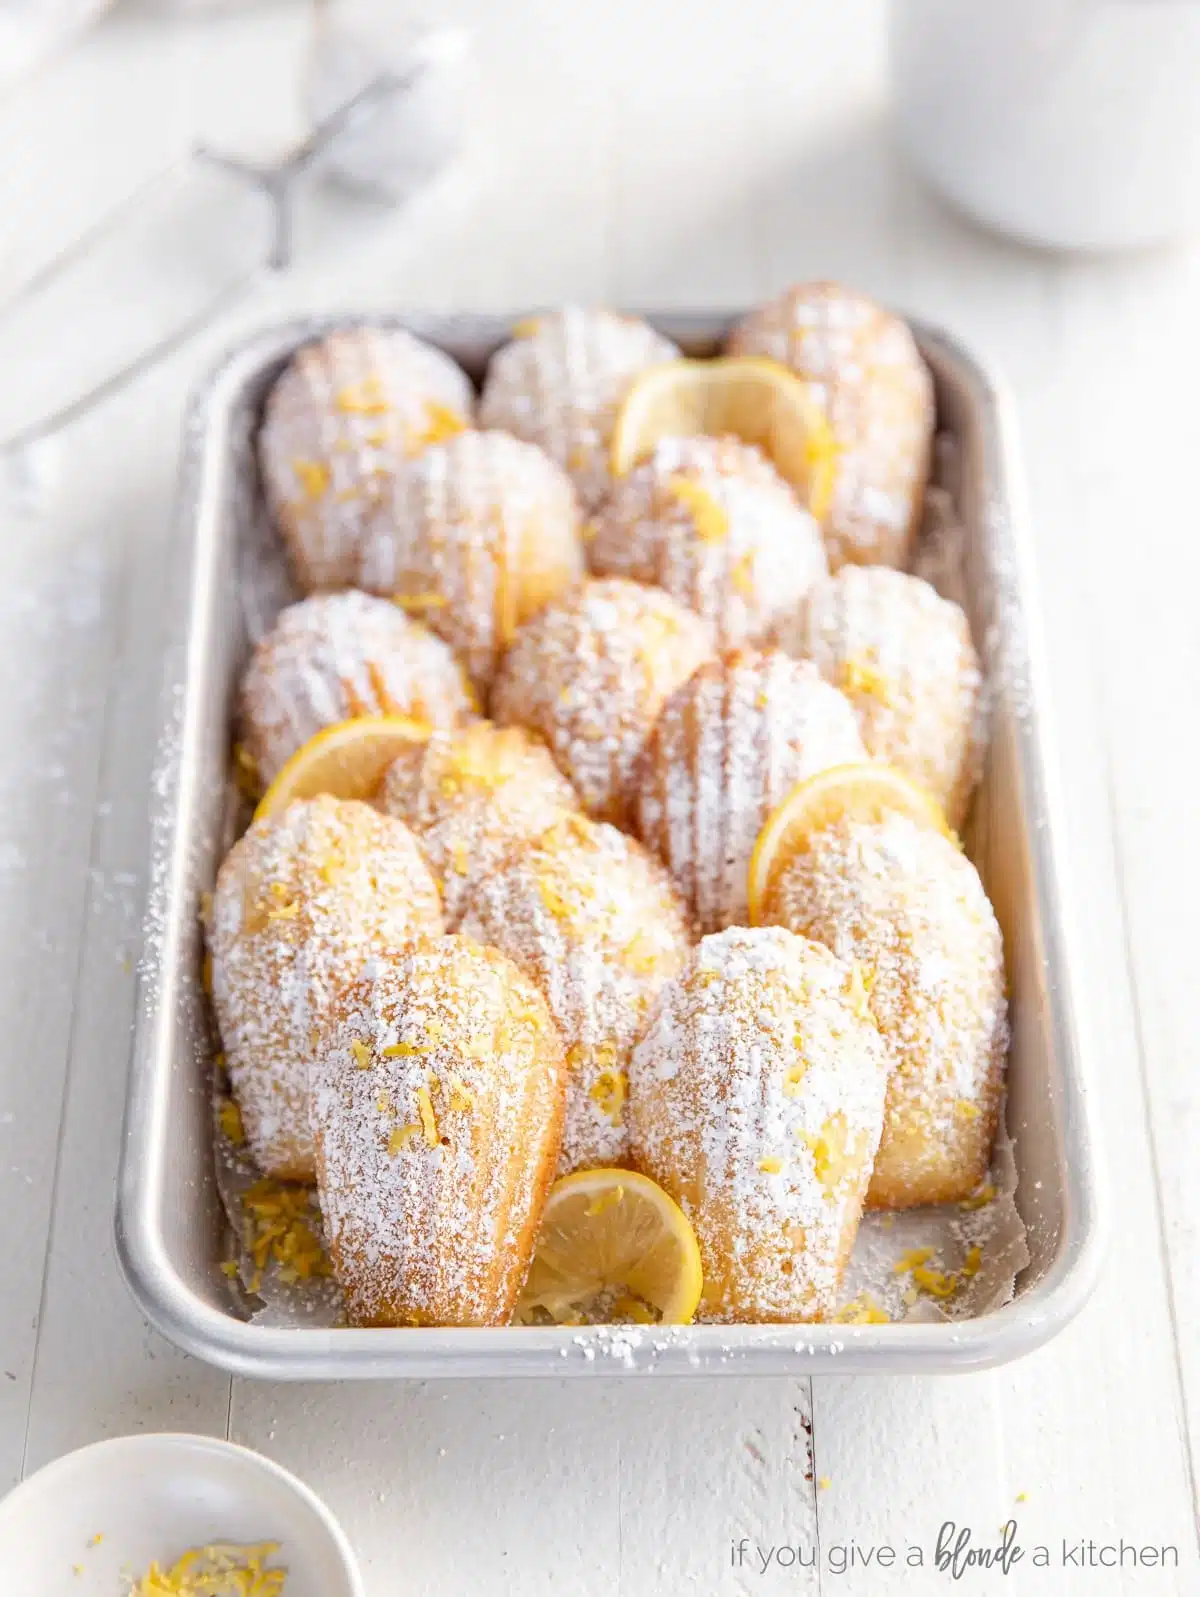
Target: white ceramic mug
x,y
1070,123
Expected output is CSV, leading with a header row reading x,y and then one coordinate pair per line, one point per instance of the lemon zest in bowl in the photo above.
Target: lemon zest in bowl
x,y
222,1569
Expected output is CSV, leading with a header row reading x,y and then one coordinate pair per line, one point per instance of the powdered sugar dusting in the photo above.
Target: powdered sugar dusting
x,y
345,415
299,904
727,748
561,385
756,1099
475,537
437,1109
340,655
975,565
910,908
903,656
868,376
472,798
596,924
590,675
712,522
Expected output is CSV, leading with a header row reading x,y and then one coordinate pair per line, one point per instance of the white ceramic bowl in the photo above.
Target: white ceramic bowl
x,y
153,1497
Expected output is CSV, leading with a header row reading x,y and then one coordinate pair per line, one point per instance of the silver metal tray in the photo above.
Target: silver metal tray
x,y
169,1222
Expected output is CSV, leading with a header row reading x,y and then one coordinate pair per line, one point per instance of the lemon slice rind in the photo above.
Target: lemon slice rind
x,y
859,792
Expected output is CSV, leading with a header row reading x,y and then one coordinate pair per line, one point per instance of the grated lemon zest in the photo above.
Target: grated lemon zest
x,y
771,1165
362,399
858,991
859,675
440,423
332,867
711,522
245,771
284,909
401,1136
965,1109
641,954
821,452
221,1569
461,1096
910,1260
742,575
554,901
314,477
278,1230
418,603
793,1081
830,1149
428,1121
981,1198
971,1263
362,1054
406,1050
609,1091
862,1310
938,1283
230,1118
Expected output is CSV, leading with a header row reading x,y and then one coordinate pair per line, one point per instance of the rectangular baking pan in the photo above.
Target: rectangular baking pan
x,y
169,1222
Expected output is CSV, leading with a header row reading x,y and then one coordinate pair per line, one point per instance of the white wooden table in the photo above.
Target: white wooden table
x,y
641,154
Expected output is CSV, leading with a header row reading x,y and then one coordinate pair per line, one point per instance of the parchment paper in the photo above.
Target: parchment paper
x,y
901,1262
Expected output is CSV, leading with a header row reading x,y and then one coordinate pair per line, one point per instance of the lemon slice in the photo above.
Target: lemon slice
x,y
612,1246
750,396
348,759
856,792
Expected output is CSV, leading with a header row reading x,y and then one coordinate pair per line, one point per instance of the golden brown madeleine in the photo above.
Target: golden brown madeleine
x,y
727,748
560,383
756,1099
345,415
868,376
340,655
472,798
910,908
594,921
438,1092
712,522
300,902
903,656
590,675
474,538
